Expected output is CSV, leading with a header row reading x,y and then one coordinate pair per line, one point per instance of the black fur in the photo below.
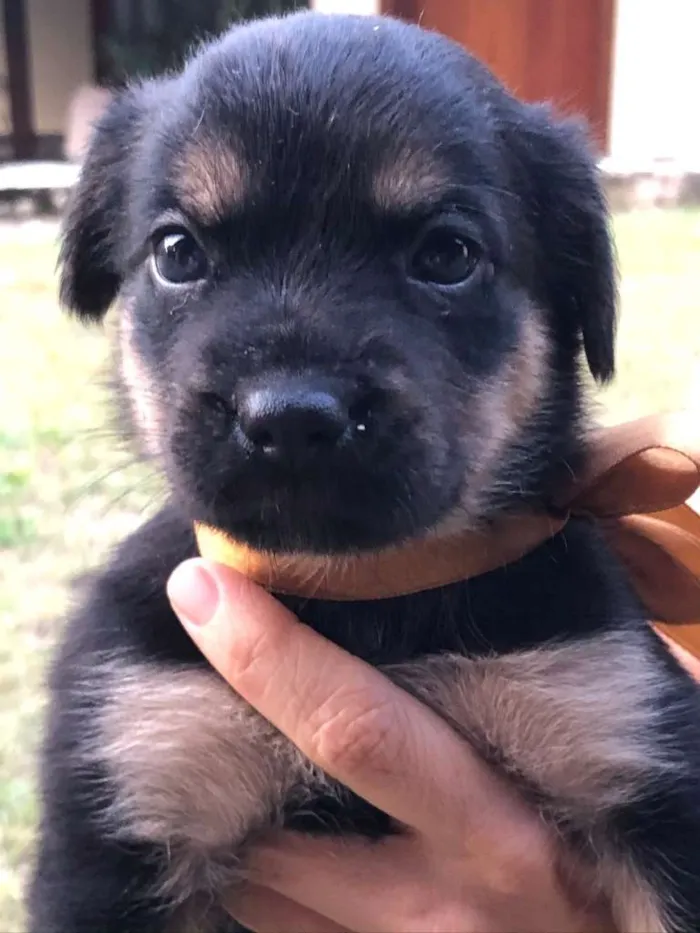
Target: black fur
x,y
310,277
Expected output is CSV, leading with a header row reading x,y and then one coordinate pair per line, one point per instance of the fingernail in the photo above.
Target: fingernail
x,y
193,592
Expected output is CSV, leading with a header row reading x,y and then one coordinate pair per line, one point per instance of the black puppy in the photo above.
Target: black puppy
x,y
355,280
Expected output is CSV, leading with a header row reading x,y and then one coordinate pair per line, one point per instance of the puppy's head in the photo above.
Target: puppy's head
x,y
355,279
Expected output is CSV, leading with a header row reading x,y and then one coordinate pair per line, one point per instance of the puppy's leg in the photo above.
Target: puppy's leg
x,y
84,878
84,884
604,735
193,768
156,775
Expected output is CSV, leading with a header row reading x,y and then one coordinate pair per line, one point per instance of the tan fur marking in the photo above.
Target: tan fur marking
x,y
141,388
495,416
504,405
408,179
195,768
573,719
525,371
576,722
210,178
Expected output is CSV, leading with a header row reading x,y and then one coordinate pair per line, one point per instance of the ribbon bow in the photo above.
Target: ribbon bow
x,y
641,485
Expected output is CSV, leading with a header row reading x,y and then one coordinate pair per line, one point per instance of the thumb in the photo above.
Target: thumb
x,y
344,715
339,711
235,623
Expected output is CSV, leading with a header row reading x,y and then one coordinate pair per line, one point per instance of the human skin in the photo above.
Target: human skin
x,y
473,856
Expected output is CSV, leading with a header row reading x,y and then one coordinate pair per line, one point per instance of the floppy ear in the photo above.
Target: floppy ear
x,y
568,211
94,226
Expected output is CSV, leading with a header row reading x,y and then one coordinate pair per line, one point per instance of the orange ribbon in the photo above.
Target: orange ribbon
x,y
639,484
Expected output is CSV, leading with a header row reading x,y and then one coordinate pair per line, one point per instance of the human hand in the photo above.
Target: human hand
x,y
473,857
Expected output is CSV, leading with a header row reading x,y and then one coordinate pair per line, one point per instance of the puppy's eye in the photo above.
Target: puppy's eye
x,y
178,259
444,257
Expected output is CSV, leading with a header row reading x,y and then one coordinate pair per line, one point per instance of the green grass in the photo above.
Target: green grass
x,y
659,337
63,499
66,492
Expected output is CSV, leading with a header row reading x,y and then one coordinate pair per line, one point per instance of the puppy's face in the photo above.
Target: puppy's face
x,y
354,280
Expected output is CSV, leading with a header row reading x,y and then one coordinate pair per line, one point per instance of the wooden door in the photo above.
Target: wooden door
x,y
558,50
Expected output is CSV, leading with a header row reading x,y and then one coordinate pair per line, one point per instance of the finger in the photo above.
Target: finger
x,y
265,911
401,884
343,714
369,887
689,661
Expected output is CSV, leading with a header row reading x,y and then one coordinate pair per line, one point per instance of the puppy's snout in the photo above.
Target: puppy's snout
x,y
293,419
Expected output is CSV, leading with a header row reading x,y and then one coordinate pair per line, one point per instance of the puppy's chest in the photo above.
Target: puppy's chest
x,y
197,771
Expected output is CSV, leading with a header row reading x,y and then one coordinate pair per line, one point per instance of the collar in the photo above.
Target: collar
x,y
640,485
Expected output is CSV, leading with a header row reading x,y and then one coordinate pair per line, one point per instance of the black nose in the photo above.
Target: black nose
x,y
292,419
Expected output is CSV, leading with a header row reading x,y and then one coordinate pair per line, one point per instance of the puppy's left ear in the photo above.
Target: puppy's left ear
x,y
94,233
568,211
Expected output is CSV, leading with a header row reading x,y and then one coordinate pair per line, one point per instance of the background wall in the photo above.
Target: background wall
x,y
60,58
656,82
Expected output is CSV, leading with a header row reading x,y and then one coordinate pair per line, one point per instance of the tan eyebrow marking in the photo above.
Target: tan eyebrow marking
x,y
210,178
407,179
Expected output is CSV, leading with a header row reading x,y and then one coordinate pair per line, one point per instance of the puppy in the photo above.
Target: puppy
x,y
355,281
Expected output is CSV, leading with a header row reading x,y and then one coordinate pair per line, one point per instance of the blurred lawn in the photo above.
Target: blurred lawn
x,y
68,489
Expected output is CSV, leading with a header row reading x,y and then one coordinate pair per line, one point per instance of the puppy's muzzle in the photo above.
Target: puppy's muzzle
x,y
293,420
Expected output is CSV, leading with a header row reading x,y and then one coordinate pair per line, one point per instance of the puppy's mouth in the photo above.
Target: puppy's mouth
x,y
336,504
321,512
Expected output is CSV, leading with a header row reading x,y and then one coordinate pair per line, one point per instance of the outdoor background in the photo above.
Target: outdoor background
x,y
69,488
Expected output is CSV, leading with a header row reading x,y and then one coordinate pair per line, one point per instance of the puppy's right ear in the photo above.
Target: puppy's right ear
x,y
93,229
